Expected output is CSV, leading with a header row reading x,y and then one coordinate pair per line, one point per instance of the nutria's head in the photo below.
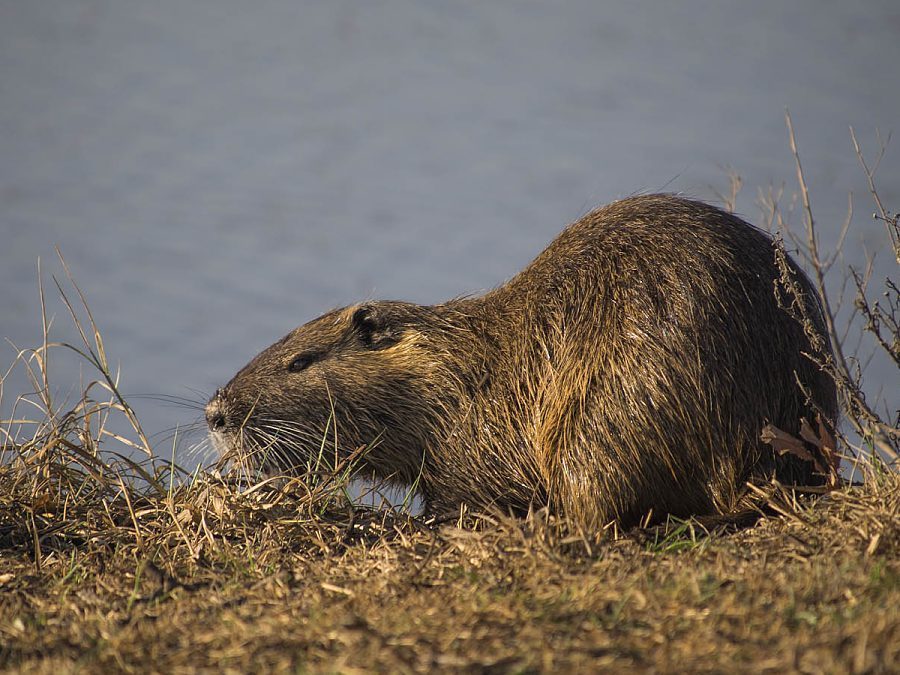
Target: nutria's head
x,y
355,377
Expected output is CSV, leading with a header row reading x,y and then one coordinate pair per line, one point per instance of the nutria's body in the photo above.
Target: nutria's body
x,y
630,367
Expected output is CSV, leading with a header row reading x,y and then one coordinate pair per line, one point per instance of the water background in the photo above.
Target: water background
x,y
218,172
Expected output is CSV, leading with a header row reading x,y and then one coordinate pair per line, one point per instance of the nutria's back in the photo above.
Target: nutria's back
x,y
630,367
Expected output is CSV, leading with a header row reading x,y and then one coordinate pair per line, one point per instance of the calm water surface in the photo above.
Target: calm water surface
x,y
217,172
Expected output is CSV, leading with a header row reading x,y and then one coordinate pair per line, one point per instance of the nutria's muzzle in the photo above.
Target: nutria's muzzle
x,y
216,417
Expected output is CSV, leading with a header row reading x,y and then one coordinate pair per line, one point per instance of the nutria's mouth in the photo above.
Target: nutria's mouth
x,y
275,446
245,448
251,442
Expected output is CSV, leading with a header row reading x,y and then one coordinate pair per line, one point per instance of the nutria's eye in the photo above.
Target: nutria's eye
x,y
302,362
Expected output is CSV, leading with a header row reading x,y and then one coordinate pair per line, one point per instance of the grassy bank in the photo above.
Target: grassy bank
x,y
108,562
206,578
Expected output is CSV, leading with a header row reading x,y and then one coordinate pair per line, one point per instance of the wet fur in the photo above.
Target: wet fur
x,y
629,368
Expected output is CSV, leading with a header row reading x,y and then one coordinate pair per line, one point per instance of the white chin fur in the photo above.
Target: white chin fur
x,y
222,443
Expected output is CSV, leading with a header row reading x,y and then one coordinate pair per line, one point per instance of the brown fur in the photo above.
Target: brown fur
x,y
630,367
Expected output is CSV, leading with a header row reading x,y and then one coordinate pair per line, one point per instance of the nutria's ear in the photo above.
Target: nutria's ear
x,y
376,326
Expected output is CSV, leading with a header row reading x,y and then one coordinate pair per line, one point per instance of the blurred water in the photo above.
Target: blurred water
x,y
217,172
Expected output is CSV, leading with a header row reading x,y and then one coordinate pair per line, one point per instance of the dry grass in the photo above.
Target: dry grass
x,y
108,562
210,578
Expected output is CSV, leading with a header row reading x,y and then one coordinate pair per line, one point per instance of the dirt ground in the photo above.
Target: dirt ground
x,y
96,576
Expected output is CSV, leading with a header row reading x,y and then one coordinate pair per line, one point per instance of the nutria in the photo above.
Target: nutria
x,y
628,369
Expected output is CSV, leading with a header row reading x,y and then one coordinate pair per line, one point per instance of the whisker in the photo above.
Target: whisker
x,y
171,400
201,394
272,448
179,429
202,449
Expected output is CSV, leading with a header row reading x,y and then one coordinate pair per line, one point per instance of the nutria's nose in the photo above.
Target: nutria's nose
x,y
215,412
